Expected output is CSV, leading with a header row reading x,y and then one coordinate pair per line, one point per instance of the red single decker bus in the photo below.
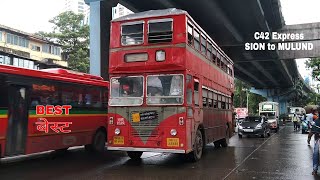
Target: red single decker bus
x,y
171,86
51,109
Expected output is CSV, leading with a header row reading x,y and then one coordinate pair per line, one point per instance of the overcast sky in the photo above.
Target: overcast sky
x,y
29,15
33,15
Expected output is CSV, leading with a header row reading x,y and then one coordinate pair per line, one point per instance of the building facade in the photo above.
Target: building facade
x,y
120,11
78,7
27,50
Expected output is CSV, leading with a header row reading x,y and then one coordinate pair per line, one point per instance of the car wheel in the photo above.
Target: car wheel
x,y
264,134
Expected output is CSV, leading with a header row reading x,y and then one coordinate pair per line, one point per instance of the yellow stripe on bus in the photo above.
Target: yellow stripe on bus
x,y
70,115
3,116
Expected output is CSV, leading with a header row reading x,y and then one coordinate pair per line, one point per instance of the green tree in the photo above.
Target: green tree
x,y
70,32
314,65
240,97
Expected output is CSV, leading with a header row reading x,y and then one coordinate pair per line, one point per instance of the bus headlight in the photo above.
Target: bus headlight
x,y
117,131
160,55
173,132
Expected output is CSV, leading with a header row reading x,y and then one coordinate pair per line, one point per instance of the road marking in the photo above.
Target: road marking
x,y
250,155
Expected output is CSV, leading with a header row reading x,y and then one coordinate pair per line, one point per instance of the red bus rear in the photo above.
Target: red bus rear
x,y
51,109
171,86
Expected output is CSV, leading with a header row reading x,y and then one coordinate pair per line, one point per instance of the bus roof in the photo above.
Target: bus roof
x,y
168,12
55,74
151,13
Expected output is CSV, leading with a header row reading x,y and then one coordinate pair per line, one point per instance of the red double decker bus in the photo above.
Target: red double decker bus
x,y
51,109
171,86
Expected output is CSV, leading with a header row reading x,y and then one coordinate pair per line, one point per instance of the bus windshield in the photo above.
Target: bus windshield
x,y
165,89
268,114
126,91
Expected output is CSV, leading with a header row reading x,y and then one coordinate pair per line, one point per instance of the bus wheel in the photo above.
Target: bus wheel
x,y
134,155
99,141
217,144
225,141
196,154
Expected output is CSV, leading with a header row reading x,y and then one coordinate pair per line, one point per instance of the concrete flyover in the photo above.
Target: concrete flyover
x,y
231,23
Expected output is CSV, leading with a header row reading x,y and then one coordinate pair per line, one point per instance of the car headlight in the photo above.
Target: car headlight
x,y
173,132
259,126
117,131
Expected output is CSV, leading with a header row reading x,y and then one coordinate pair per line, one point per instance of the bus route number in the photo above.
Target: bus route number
x,y
262,35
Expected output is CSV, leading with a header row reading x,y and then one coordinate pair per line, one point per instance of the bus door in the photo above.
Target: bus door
x,y
17,121
197,101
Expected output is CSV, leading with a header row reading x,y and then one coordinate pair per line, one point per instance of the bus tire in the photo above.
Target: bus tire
x,y
134,155
99,141
196,154
225,141
217,144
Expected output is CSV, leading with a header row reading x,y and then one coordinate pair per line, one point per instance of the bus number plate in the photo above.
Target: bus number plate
x,y
118,140
173,142
135,117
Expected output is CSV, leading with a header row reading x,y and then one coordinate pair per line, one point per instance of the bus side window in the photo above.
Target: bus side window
x,y
215,100
3,94
204,97
219,101
190,34
223,102
210,100
196,93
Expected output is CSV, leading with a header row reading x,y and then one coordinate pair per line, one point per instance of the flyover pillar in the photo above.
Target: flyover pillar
x,y
100,17
282,100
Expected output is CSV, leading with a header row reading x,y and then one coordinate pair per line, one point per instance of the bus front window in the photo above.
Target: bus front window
x,y
165,89
126,91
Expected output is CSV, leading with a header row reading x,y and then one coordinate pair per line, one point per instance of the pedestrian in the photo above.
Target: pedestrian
x,y
316,130
298,123
295,122
311,117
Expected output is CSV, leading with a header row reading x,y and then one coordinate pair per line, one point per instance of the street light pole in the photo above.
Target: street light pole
x,y
248,100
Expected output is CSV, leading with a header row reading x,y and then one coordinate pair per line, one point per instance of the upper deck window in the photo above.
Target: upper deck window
x,y
160,30
196,36
132,33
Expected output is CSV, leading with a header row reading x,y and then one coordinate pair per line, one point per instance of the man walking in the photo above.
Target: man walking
x,y
295,122
311,117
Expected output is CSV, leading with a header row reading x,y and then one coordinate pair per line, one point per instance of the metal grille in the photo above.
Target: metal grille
x,y
145,128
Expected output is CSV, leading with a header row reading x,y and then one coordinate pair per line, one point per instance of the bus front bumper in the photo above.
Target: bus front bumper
x,y
157,150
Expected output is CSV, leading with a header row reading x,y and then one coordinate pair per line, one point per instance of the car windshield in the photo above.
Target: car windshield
x,y
252,119
165,89
268,114
126,91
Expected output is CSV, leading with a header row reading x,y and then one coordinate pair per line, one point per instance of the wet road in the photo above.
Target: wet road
x,y
284,155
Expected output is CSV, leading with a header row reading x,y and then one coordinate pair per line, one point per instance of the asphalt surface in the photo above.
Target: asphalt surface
x,y
284,155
